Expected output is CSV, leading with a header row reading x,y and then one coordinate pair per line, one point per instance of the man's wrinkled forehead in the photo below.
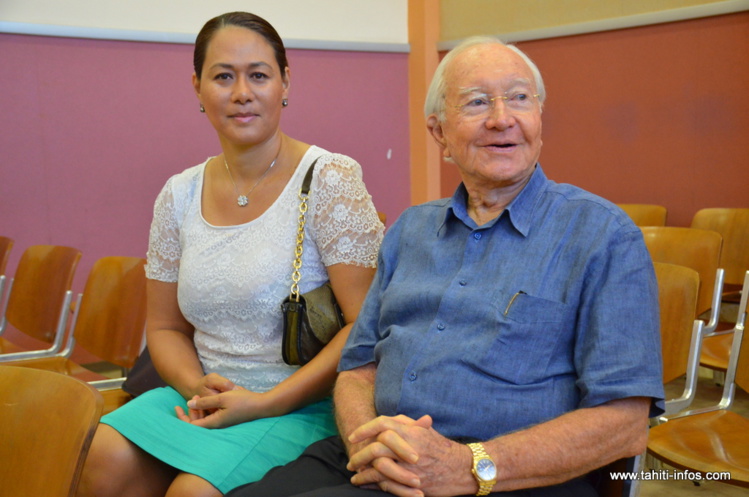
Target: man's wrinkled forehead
x,y
495,63
511,84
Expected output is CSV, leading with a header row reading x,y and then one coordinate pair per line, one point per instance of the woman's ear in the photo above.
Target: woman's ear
x,y
286,82
196,85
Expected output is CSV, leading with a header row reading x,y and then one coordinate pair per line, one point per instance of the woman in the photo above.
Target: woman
x,y
219,265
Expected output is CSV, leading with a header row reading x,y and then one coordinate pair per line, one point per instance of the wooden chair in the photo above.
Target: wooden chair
x,y
109,323
382,217
645,214
681,333
733,226
713,439
693,248
47,422
5,245
39,298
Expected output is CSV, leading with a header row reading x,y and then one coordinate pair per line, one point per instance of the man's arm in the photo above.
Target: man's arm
x,y
571,445
546,454
354,400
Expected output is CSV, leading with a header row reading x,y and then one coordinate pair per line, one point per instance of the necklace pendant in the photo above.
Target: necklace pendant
x,y
242,200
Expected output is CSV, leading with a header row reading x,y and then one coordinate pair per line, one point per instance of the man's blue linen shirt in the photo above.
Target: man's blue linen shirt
x,y
490,329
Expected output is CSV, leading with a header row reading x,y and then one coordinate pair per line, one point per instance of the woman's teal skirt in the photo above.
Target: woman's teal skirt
x,y
226,457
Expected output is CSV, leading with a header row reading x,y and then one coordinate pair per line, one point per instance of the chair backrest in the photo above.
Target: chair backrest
x,y
678,287
742,367
5,245
47,421
42,278
112,314
645,214
733,225
694,248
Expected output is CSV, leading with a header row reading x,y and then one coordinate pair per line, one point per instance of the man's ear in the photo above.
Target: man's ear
x,y
435,129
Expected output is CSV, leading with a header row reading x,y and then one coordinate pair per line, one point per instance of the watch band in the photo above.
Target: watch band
x,y
479,453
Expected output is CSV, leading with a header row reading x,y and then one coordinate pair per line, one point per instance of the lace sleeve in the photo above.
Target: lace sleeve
x,y
346,227
164,250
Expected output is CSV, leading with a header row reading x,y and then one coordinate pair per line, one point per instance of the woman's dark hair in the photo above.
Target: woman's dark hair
x,y
242,20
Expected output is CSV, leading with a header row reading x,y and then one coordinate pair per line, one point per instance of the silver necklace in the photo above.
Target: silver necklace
x,y
242,199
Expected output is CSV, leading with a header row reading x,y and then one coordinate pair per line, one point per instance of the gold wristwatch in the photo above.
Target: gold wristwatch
x,y
484,469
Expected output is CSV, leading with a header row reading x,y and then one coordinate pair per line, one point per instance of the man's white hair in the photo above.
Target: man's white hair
x,y
435,100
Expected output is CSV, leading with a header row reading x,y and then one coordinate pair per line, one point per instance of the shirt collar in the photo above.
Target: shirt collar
x,y
519,212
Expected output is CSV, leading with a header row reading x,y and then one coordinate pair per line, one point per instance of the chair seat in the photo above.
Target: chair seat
x,y
114,398
697,443
60,365
7,347
715,352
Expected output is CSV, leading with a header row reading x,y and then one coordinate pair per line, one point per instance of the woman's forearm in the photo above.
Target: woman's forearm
x,y
174,356
313,381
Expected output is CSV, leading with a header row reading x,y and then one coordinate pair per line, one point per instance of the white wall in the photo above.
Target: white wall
x,y
368,25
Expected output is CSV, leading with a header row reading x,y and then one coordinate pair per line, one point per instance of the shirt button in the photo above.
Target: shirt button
x,y
412,376
477,236
441,326
462,282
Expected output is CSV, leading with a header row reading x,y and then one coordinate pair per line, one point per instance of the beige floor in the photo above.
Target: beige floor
x,y
708,393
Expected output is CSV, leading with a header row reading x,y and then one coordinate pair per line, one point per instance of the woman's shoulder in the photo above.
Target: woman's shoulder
x,y
185,183
189,176
180,189
331,163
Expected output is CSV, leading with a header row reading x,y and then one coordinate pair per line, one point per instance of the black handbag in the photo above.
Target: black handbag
x,y
312,319
143,376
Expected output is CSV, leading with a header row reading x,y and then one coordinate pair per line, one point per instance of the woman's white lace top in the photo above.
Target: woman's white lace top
x,y
232,279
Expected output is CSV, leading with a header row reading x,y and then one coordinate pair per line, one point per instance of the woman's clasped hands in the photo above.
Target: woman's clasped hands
x,y
221,403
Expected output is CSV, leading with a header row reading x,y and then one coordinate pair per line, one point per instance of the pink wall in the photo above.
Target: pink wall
x,y
656,114
90,130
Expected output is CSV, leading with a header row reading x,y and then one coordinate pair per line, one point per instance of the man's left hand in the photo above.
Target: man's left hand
x,y
410,459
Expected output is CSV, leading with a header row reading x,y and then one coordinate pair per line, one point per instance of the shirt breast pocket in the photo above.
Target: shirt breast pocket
x,y
529,331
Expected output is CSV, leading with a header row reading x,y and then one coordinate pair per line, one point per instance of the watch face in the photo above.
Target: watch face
x,y
486,470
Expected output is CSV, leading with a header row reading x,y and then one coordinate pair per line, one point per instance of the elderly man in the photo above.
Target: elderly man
x,y
510,338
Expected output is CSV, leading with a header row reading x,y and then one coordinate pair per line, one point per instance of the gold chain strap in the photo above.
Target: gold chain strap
x,y
297,275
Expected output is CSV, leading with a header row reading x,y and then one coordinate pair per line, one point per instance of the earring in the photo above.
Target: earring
x,y
285,102
202,109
